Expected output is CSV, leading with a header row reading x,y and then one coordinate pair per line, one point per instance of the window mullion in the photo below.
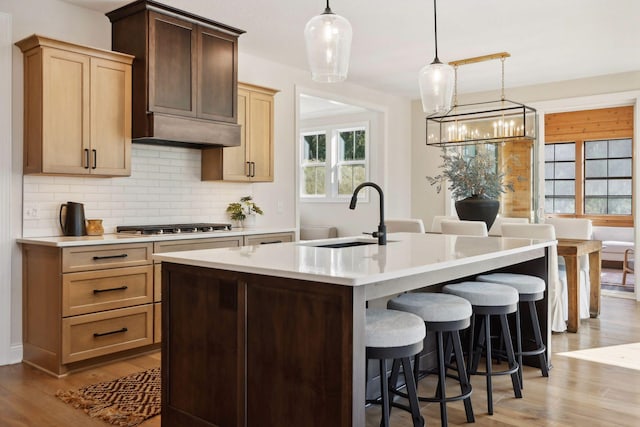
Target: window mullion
x,y
580,177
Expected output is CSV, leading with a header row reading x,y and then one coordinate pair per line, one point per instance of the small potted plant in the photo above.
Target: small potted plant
x,y
245,209
475,182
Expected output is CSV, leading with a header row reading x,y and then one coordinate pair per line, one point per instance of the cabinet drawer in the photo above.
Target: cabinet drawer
x,y
264,239
195,244
97,334
90,291
105,256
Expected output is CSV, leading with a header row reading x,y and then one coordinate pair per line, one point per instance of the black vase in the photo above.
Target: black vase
x,y
478,208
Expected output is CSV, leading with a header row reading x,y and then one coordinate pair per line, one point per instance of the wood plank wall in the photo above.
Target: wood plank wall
x,y
515,160
604,123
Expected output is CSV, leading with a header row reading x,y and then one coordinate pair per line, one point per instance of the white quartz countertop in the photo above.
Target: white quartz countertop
x,y
69,241
406,254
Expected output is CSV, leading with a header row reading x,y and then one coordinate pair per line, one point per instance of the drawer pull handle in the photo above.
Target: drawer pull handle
x,y
270,242
121,288
102,334
96,258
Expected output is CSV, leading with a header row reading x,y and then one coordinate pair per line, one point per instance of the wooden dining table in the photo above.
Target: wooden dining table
x,y
571,250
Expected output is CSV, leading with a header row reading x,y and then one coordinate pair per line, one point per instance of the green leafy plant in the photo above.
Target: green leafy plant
x,y
473,176
238,211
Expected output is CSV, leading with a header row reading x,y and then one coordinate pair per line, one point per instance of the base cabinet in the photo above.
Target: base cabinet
x,y
85,304
266,350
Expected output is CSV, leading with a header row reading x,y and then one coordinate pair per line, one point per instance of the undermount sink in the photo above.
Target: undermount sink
x,y
340,243
345,244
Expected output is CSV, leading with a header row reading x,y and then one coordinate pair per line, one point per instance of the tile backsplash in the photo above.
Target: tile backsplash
x,y
164,187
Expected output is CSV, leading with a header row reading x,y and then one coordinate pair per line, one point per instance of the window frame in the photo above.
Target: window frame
x,y
333,162
608,123
580,178
304,163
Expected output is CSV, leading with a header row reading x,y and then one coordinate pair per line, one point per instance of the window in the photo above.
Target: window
x,y
560,178
314,163
334,162
607,177
589,165
351,163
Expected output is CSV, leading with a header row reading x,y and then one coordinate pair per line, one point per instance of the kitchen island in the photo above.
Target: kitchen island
x,y
274,335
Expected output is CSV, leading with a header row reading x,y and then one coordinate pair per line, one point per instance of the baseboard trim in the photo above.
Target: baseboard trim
x,y
14,355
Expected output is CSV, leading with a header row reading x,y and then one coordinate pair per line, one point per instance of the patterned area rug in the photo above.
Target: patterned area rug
x,y
125,401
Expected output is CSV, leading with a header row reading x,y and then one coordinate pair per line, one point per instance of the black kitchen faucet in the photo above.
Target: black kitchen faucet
x,y
381,234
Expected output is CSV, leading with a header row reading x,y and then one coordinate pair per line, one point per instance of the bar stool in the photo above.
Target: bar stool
x,y
530,289
391,334
489,299
446,315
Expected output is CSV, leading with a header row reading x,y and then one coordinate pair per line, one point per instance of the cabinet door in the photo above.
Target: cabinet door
x,y
260,130
110,117
217,81
236,165
172,66
65,112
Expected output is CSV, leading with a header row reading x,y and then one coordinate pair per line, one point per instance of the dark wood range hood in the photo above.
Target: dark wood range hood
x,y
185,75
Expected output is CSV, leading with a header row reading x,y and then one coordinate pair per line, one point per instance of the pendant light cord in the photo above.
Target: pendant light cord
x,y
502,92
328,9
436,60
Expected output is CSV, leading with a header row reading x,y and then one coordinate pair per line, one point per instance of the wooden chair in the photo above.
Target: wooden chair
x,y
627,265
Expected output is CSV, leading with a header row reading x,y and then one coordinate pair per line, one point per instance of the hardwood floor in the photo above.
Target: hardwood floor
x,y
576,393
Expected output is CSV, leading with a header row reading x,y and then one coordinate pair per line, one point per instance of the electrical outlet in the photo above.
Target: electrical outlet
x,y
31,213
280,207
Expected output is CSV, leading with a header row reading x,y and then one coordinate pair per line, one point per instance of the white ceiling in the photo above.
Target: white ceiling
x,y
549,40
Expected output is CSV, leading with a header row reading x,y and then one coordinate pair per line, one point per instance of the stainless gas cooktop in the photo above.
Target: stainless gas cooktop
x,y
172,228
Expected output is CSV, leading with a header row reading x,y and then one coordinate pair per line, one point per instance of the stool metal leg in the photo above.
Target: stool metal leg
x,y
465,385
441,379
510,355
487,332
519,345
412,391
538,337
384,391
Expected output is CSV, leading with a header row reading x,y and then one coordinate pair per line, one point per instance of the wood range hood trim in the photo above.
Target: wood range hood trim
x,y
160,124
168,129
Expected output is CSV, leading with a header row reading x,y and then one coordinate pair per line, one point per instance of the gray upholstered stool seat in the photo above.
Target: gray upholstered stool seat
x,y
531,289
391,334
489,299
392,328
433,307
444,315
523,283
485,294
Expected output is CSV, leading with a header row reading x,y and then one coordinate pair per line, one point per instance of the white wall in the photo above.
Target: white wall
x,y
7,352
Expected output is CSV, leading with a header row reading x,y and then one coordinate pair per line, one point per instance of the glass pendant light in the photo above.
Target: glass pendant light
x,y
328,40
436,80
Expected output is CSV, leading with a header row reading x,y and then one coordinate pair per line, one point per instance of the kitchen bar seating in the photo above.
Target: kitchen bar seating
x,y
489,299
530,289
445,315
391,334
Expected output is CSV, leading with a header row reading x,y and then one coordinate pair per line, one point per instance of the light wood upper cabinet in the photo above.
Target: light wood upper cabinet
x,y
253,159
77,109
